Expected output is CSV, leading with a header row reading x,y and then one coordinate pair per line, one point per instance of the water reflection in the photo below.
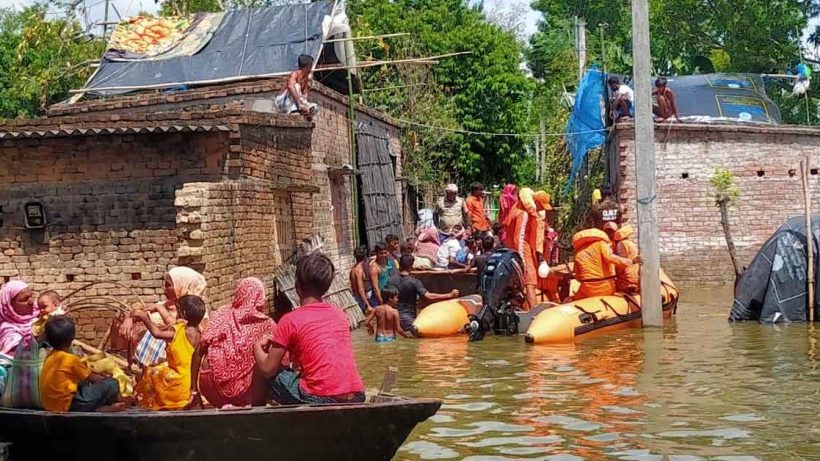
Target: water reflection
x,y
698,389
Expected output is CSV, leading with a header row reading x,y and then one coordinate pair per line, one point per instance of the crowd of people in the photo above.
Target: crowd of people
x,y
238,356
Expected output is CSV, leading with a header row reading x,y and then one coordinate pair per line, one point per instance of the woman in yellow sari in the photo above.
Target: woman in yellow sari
x,y
168,385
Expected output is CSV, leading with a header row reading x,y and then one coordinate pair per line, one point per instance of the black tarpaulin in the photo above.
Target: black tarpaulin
x,y
722,98
247,43
774,288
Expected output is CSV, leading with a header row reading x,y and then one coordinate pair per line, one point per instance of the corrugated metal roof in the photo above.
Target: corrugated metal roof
x,y
110,130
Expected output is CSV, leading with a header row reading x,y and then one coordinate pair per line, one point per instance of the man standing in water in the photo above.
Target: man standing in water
x,y
410,289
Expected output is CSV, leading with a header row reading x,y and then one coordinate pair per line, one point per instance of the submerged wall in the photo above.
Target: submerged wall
x,y
765,162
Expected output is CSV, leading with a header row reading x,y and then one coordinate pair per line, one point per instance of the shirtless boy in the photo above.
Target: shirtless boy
x,y
386,317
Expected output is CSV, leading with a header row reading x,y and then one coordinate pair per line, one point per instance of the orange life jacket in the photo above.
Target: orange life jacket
x,y
593,265
628,278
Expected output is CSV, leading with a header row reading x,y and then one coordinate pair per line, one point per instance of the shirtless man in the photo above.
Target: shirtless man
x,y
359,279
295,92
386,317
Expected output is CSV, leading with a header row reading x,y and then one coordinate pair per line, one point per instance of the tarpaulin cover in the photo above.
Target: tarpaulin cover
x,y
247,43
585,128
774,287
722,98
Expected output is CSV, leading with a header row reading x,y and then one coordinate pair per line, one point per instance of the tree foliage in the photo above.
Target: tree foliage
x,y
485,91
40,60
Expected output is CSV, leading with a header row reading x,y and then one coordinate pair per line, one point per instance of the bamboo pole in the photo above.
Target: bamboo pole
x,y
806,170
367,37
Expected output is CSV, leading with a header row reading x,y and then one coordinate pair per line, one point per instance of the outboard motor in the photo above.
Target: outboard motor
x,y
502,290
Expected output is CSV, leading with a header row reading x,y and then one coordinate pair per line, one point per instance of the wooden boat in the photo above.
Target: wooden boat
x,y
371,431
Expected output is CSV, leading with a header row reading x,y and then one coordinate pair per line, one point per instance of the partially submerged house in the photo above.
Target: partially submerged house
x,y
177,158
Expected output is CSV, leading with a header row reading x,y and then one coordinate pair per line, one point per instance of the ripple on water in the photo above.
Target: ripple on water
x,y
429,450
637,455
729,433
522,440
547,396
743,418
561,457
571,424
606,437
480,427
472,406
620,410
457,397
442,418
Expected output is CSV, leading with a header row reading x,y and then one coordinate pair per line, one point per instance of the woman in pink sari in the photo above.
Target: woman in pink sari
x,y
226,376
17,314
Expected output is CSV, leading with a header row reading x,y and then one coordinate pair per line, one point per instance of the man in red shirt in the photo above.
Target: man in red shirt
x,y
475,209
317,336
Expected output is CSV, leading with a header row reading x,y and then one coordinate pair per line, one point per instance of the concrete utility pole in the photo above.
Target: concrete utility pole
x,y
581,44
651,311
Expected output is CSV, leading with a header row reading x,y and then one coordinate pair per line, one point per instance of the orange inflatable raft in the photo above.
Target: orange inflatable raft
x,y
446,318
565,322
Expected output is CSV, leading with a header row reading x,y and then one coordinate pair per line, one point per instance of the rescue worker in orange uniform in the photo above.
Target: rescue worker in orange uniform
x,y
595,263
525,234
628,279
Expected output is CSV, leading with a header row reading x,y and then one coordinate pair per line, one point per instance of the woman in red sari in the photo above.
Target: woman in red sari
x,y
226,376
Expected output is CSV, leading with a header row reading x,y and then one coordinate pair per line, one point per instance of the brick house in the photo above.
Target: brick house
x,y
765,163
208,178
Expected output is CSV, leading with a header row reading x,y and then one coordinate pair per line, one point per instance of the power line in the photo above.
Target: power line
x,y
484,133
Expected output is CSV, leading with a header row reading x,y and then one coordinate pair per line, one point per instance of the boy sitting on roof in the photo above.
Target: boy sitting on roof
x,y
294,95
318,339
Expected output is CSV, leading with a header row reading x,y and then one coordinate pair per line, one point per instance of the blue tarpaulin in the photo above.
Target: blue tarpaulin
x,y
585,128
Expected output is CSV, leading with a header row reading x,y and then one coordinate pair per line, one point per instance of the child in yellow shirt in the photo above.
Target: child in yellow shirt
x,y
66,383
168,386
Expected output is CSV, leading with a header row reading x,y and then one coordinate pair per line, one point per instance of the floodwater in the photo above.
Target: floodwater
x,y
700,389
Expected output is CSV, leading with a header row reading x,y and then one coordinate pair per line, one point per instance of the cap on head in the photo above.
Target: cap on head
x,y
452,188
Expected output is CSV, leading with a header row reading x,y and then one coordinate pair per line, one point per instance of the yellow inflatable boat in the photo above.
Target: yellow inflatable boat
x,y
446,318
589,316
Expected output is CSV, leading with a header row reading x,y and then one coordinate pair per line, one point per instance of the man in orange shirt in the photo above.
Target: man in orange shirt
x,y
475,209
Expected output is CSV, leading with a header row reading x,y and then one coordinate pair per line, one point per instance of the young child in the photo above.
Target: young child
x,y
317,337
66,383
498,234
49,301
480,261
386,317
169,386
360,283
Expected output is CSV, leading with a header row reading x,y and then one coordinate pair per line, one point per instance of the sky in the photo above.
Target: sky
x,y
96,10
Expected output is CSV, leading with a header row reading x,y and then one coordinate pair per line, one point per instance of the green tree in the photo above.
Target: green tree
x,y
485,91
41,60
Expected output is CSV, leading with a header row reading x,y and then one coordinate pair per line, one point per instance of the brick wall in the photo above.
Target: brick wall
x,y
233,229
693,248
111,202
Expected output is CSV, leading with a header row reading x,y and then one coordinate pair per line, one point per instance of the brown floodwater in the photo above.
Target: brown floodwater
x,y
700,388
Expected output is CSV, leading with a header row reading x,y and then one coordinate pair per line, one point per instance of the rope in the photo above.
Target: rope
x,y
484,133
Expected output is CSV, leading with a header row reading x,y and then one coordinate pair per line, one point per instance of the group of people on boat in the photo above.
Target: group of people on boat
x,y
234,356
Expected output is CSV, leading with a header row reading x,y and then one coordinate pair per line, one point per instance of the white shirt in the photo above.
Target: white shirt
x,y
448,249
625,92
